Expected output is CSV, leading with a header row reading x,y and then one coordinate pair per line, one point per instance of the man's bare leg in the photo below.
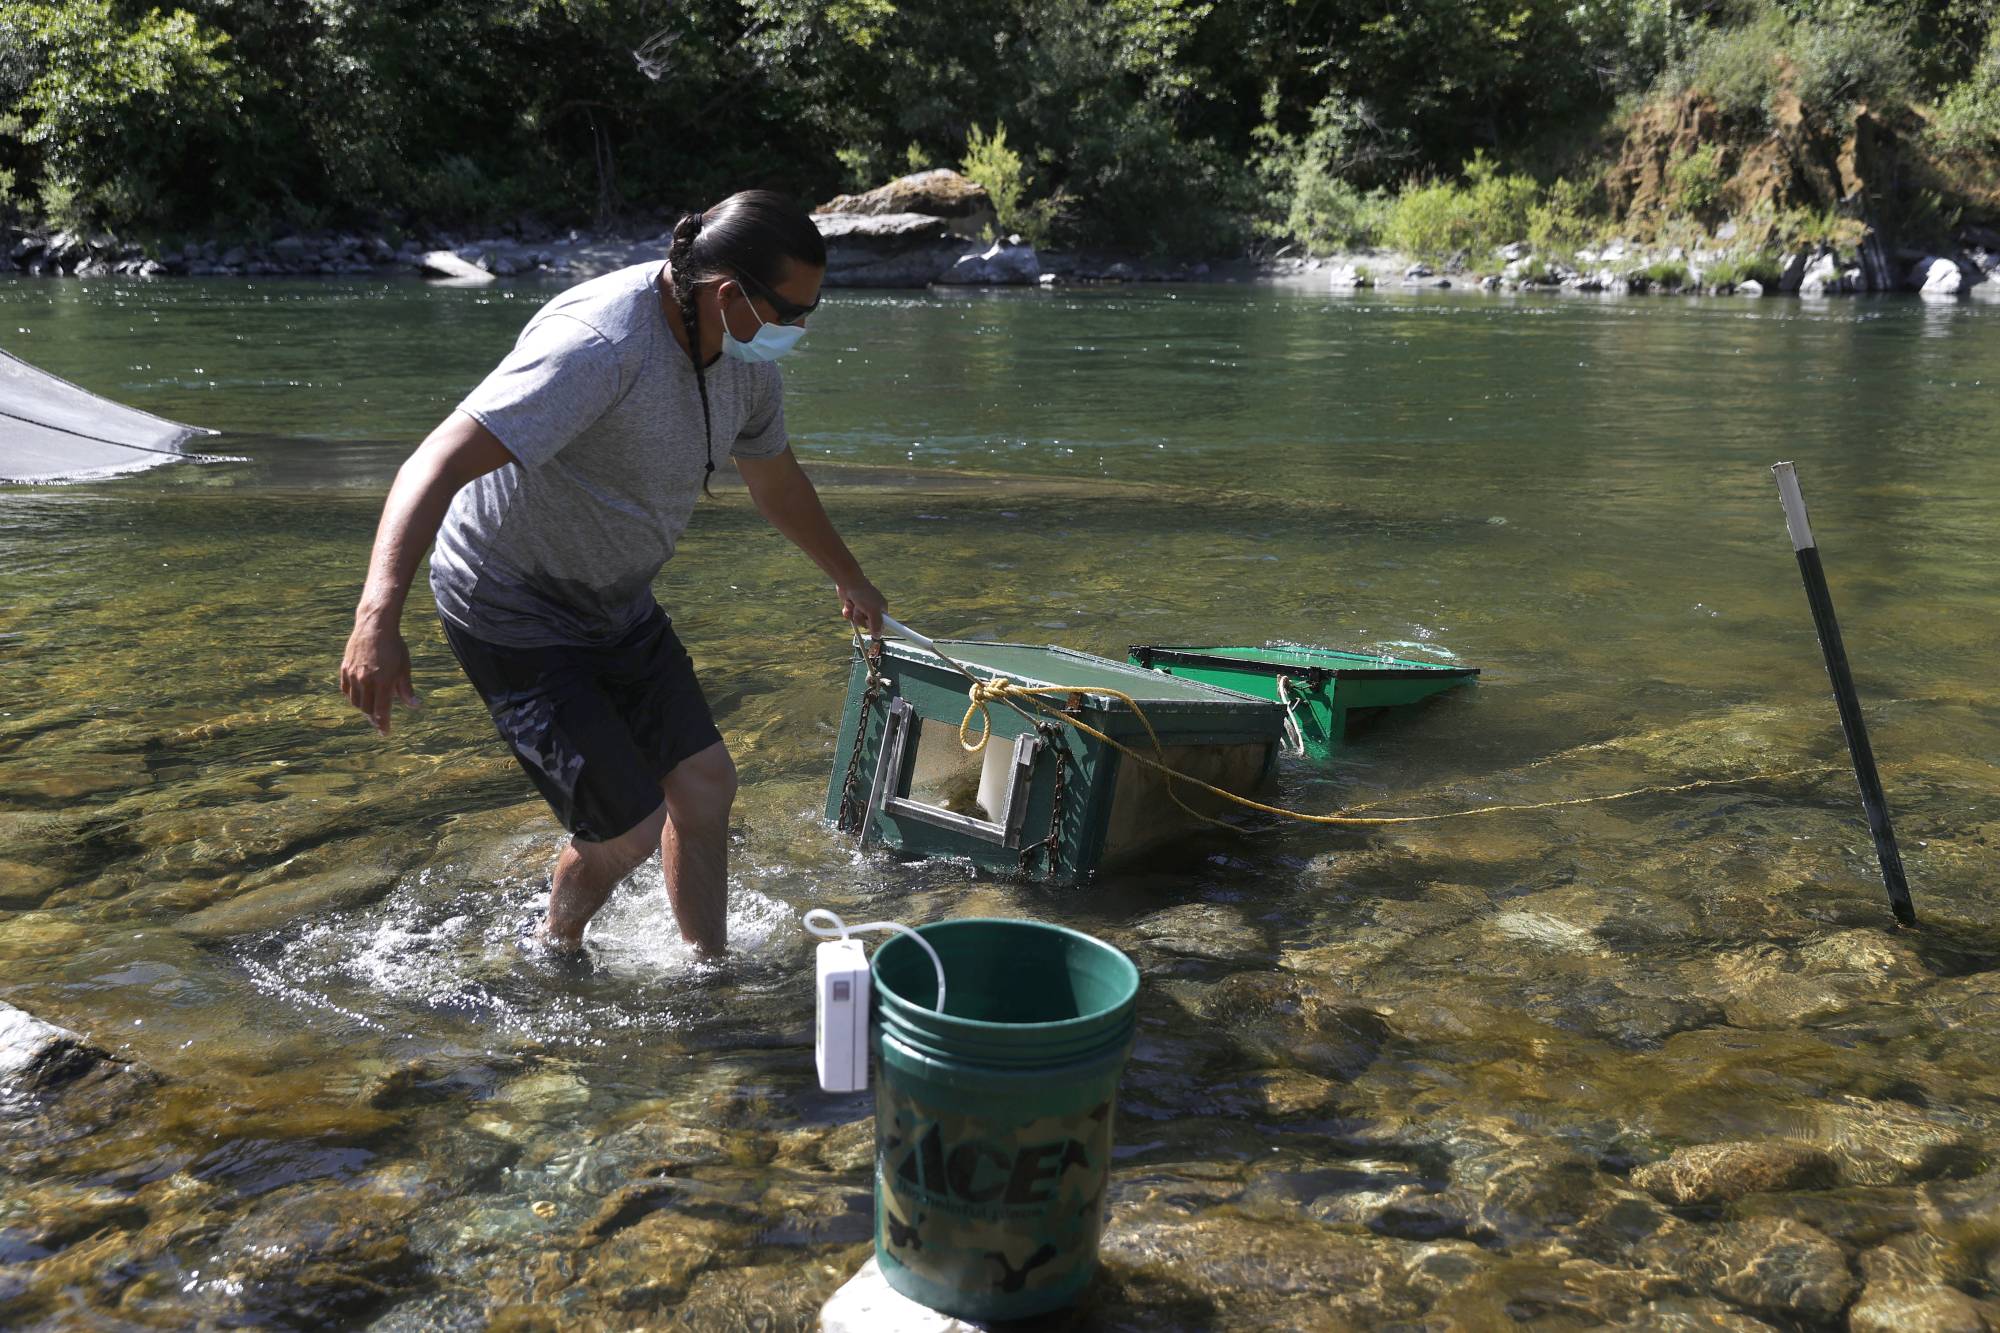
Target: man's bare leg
x,y
588,871
694,846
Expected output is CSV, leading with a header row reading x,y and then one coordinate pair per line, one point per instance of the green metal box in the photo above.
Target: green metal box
x,y
1043,797
1318,688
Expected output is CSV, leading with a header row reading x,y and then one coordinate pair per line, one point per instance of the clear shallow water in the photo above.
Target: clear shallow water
x,y
1404,1073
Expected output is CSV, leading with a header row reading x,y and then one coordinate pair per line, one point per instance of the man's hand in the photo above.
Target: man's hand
x,y
376,670
863,606
376,666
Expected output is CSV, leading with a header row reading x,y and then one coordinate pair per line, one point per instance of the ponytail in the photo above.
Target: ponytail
x,y
755,233
679,259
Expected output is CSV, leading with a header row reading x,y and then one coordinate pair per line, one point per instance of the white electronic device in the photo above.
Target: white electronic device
x,y
843,992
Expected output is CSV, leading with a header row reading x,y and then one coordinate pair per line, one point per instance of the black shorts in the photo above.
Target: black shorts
x,y
595,728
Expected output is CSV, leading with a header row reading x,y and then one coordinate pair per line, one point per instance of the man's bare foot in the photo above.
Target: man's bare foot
x,y
568,959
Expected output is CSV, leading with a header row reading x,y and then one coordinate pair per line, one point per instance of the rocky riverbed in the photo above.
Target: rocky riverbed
x,y
1431,1078
1656,1064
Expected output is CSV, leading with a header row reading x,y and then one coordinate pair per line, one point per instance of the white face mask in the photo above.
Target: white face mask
x,y
770,342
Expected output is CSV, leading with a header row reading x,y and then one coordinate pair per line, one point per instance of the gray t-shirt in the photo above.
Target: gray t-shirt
x,y
598,404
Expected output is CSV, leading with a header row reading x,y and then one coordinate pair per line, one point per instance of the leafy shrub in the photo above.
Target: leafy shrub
x,y
1762,269
1723,273
1777,230
93,86
1694,181
1443,221
1860,61
1739,68
1669,275
1429,221
1833,63
990,162
1328,214
860,167
1968,117
1142,184
457,187
1563,220
1308,198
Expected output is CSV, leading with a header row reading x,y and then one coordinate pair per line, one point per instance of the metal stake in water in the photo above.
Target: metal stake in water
x,y
1872,800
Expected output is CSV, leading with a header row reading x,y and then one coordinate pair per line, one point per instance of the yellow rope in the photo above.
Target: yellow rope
x,y
1001,690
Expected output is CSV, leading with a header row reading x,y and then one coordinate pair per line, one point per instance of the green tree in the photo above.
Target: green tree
x,y
110,107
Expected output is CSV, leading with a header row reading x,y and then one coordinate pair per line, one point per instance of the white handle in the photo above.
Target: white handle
x,y
904,631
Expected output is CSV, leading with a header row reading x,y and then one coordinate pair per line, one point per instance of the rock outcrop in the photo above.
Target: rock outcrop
x,y
888,249
941,193
921,229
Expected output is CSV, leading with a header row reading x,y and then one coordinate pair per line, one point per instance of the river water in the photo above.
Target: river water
x,y
1415,1076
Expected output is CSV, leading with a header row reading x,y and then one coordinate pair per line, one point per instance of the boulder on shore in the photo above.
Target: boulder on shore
x,y
445,264
941,193
1937,276
1009,263
888,249
1822,277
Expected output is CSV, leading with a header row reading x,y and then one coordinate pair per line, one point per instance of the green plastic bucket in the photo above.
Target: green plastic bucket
x,y
993,1119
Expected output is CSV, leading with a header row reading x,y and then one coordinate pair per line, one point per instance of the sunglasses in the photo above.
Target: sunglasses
x,y
789,312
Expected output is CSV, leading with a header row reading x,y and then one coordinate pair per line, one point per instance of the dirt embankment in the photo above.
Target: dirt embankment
x,y
1872,173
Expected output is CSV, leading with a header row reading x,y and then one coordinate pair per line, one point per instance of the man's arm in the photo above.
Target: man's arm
x,y
376,667
784,495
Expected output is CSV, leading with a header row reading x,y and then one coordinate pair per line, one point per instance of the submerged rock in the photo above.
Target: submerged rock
x,y
38,1057
1247,1266
1881,1143
651,1264
1854,1216
1872,955
1908,1290
1205,930
1761,987
1534,1195
1691,1314
1927,1309
1780,1266
1724,1172
317,1253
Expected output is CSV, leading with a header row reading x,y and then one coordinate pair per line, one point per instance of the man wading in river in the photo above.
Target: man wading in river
x,y
562,484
